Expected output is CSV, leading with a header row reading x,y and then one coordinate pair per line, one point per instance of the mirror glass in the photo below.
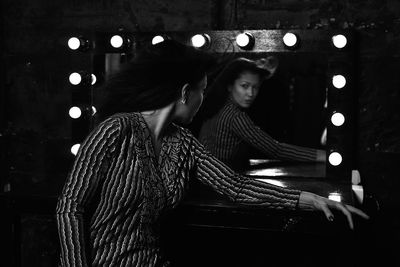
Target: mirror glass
x,y
291,108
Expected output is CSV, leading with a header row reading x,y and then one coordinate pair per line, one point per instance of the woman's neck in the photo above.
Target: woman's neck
x,y
158,120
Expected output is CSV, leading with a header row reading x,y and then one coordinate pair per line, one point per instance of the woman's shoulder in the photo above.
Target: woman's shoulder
x,y
181,132
231,111
123,120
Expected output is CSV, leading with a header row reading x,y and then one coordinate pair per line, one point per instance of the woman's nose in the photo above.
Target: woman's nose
x,y
251,91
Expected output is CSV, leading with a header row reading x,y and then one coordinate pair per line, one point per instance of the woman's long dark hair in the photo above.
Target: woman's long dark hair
x,y
217,93
153,79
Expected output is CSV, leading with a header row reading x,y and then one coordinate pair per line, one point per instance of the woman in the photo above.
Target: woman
x,y
229,133
135,165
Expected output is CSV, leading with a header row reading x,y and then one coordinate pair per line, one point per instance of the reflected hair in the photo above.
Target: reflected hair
x,y
217,93
153,79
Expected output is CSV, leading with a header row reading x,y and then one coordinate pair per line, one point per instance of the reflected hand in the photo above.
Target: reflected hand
x,y
310,201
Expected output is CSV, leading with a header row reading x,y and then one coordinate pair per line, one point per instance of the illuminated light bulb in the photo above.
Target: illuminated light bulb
x,y
290,39
245,40
337,119
75,112
74,43
335,158
339,81
157,39
75,149
339,41
94,79
75,78
335,197
116,41
94,110
200,40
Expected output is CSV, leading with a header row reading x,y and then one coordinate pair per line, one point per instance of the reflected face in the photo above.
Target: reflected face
x,y
244,89
185,112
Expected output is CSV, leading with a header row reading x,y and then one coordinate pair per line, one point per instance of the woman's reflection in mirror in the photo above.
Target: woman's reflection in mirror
x,y
229,132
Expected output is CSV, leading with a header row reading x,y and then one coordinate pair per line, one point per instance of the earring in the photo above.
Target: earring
x,y
183,100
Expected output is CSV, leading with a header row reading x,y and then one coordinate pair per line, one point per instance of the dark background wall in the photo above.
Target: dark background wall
x,y
35,96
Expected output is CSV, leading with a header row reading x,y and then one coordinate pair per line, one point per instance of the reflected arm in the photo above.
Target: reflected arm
x,y
245,128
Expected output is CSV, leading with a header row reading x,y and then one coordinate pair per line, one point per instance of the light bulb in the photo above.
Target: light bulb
x,y
337,119
94,79
116,41
290,39
75,78
339,41
157,39
244,40
339,81
74,43
75,112
200,40
335,158
75,149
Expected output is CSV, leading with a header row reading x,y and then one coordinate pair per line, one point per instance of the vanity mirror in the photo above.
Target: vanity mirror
x,y
308,101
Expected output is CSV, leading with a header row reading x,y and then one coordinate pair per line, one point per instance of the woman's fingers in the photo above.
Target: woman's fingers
x,y
345,211
357,211
348,211
327,211
312,201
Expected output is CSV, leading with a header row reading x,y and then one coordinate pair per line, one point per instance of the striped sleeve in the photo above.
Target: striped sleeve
x,y
79,187
245,128
238,188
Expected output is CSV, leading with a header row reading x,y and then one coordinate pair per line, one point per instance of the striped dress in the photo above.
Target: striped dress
x,y
109,209
231,133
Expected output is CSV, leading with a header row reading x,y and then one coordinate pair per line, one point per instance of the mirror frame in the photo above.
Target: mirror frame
x,y
340,139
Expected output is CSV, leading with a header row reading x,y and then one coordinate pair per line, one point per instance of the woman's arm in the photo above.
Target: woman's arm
x,y
245,128
78,190
213,172
241,189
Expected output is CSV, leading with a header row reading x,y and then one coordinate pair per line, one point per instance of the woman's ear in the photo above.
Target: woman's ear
x,y
185,93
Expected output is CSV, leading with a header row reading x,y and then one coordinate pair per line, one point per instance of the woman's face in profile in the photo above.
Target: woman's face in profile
x,y
244,89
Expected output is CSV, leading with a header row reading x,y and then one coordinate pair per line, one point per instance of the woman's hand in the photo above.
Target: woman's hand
x,y
310,201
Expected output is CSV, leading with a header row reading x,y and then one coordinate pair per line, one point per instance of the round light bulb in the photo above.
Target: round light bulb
x,y
243,39
74,43
199,40
75,149
339,41
157,39
116,41
75,112
337,119
339,81
290,39
75,78
335,158
94,79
